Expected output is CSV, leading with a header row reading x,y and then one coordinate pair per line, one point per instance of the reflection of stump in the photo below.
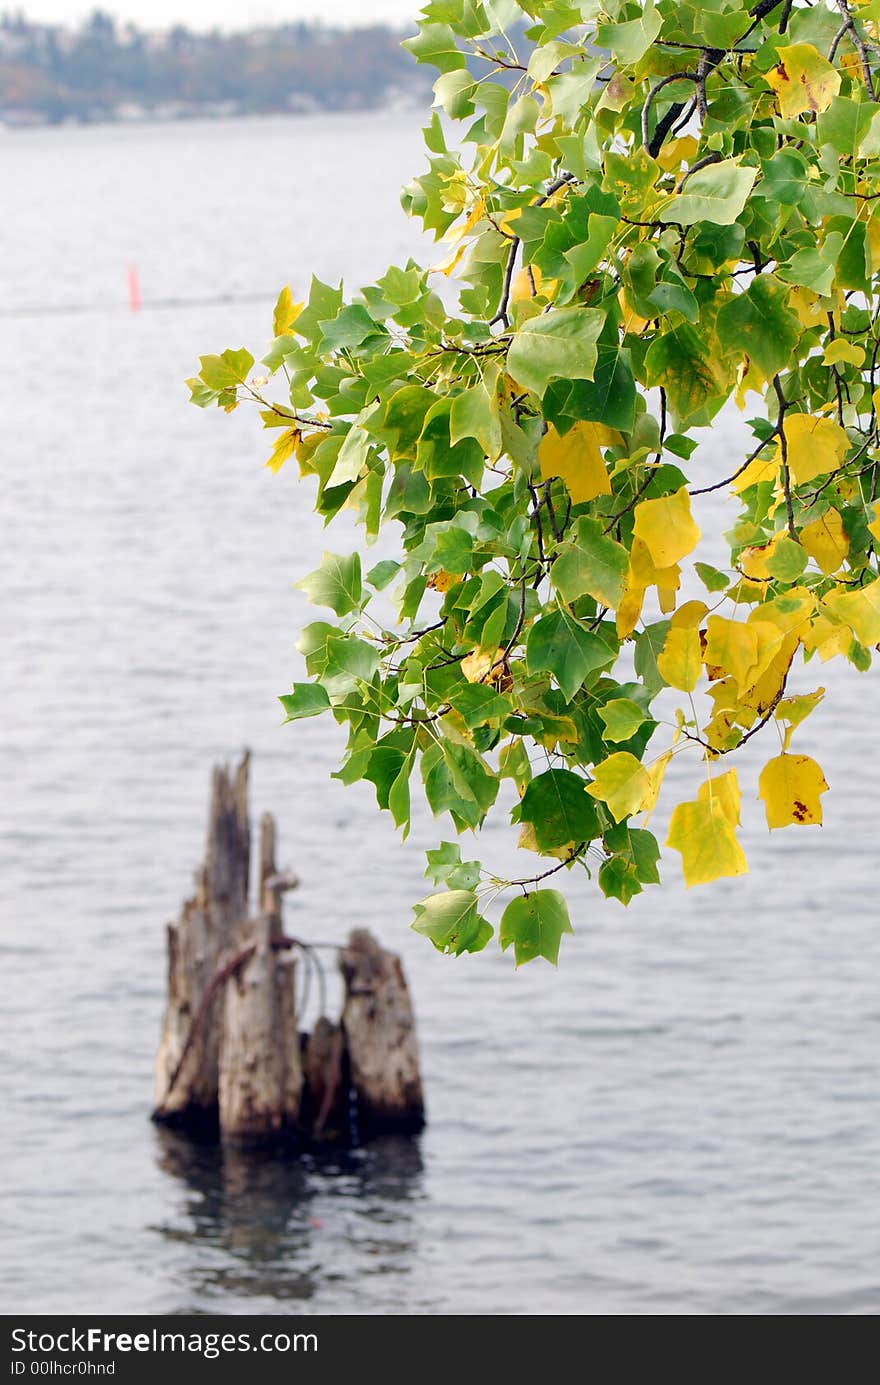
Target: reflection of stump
x,y
186,1081
380,1035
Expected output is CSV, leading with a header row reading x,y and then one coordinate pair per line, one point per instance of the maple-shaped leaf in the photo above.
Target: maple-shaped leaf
x,y
534,923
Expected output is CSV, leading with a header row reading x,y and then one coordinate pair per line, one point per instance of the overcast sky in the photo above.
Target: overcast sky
x,y
231,14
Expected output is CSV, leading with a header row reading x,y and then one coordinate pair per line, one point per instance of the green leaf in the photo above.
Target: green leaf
x,y
336,583
591,564
631,40
784,178
478,704
622,718
445,867
609,398
787,561
711,577
383,573
759,324
474,414
451,921
227,370
633,862
558,345
691,371
559,809
306,700
559,644
717,194
534,924
811,268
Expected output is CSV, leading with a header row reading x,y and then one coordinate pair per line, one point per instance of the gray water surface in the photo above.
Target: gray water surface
x,y
683,1119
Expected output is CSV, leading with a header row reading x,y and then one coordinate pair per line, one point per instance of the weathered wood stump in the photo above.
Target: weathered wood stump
x,y
231,1056
380,1034
187,1064
261,1078
326,1098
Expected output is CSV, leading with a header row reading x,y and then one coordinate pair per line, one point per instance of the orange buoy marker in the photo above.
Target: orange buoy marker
x,y
134,289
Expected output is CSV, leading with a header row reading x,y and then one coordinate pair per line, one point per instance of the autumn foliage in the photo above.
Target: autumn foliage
x,y
646,211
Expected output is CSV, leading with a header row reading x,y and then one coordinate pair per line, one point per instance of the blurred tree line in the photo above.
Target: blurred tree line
x,y
106,69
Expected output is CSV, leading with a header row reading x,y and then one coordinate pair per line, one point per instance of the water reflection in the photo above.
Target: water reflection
x,y
259,1224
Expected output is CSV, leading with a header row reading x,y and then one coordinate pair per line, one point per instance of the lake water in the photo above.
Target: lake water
x,y
683,1119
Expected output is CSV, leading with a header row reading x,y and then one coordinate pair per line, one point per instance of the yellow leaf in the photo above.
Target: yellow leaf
x,y
748,377
308,444
667,588
721,733
680,662
622,783
723,789
576,458
630,607
761,469
815,446
689,615
808,307
480,662
704,835
655,775
284,447
874,526
742,649
791,611
859,609
676,152
527,841
803,80
841,350
530,281
286,313
441,581
827,638
790,786
666,527
769,680
753,561
630,321
873,229
826,541
794,710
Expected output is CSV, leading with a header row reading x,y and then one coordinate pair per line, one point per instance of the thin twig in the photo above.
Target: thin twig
x,y
652,96
712,158
504,302
849,26
704,490
783,448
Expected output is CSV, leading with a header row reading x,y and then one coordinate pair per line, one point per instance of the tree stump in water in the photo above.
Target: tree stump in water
x,y
380,1036
230,1054
187,1064
325,1110
261,1076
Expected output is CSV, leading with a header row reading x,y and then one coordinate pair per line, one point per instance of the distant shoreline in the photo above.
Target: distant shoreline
x,y
106,72
402,104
